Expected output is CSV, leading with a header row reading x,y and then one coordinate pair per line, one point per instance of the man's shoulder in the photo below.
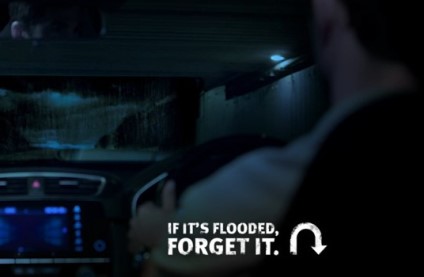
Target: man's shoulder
x,y
391,119
401,104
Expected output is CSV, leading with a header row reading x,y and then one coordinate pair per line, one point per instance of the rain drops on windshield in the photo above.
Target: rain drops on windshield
x,y
83,114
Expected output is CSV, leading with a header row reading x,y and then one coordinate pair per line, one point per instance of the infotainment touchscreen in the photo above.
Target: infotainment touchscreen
x,y
52,230
36,229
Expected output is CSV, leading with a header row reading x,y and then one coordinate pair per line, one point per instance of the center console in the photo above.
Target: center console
x,y
52,238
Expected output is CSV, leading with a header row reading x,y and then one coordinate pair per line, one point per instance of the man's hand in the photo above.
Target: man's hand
x,y
150,224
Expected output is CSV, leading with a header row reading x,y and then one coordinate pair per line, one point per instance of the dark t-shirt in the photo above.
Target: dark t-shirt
x,y
363,190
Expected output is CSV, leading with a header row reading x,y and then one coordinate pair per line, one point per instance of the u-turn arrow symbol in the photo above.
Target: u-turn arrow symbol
x,y
318,248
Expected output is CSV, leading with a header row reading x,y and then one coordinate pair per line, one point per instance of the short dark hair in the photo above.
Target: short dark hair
x,y
389,29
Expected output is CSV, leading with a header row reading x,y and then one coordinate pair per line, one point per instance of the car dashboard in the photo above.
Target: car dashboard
x,y
62,218
63,222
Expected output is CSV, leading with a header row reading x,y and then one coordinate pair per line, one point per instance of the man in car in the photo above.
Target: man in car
x,y
36,20
354,175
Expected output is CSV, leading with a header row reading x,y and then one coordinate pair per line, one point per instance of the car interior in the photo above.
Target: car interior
x,y
92,127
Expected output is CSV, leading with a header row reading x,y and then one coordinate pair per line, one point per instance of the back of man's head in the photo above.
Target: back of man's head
x,y
389,29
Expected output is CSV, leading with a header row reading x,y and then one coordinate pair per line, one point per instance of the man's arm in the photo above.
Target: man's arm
x,y
258,187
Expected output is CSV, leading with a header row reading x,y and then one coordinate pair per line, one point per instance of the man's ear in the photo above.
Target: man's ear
x,y
324,20
329,15
17,30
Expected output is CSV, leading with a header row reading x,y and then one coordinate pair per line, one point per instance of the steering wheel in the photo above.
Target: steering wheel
x,y
188,168
194,165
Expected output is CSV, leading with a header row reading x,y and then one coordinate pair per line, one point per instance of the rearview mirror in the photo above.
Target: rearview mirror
x,y
47,19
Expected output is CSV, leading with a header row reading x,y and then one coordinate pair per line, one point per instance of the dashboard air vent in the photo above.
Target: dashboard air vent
x,y
72,186
13,186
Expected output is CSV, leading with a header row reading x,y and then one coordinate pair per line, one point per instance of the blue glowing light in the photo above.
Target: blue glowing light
x,y
77,225
77,209
277,58
55,210
10,210
78,241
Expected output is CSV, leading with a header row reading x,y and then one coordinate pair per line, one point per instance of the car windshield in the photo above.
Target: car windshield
x,y
42,117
